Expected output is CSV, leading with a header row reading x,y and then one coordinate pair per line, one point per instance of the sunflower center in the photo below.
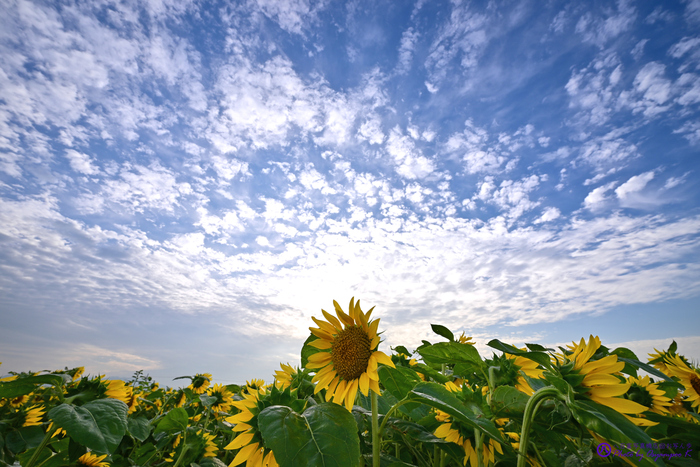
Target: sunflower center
x,y
695,382
350,352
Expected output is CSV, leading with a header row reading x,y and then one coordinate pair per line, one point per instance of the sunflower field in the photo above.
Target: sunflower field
x,y
350,404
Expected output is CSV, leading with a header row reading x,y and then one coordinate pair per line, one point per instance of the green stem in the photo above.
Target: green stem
x,y
44,443
375,430
390,413
479,447
185,448
530,410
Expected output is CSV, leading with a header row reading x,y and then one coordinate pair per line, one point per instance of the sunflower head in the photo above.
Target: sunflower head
x,y
689,377
224,398
347,355
200,383
92,460
33,416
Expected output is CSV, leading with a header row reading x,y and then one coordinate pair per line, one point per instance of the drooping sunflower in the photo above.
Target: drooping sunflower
x,y
599,381
690,379
645,392
224,398
92,460
249,440
200,383
34,416
454,433
347,358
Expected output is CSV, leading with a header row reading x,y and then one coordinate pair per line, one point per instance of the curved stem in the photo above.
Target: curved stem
x,y
44,443
375,430
530,410
390,413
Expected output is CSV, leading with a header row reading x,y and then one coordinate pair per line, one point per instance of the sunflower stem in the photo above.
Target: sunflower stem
x,y
44,443
375,430
530,410
479,449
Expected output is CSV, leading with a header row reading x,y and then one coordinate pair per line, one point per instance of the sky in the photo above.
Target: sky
x,y
184,184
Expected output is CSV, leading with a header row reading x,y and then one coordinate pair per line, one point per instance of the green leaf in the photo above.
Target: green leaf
x,y
428,372
539,357
413,431
401,349
307,350
437,396
398,382
443,331
211,462
609,424
629,369
324,435
139,428
648,368
450,352
98,425
24,438
20,387
206,400
175,420
508,400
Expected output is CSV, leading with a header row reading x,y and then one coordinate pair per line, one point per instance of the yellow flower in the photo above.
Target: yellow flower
x,y
18,401
210,448
249,441
255,383
200,383
284,377
117,390
451,434
181,399
224,398
599,380
647,393
348,357
78,373
34,416
690,378
91,460
463,339
529,367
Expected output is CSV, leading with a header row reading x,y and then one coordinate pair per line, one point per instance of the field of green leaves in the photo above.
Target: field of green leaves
x,y
350,404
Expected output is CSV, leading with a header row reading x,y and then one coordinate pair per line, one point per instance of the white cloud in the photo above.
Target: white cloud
x,y
600,31
139,188
408,44
292,15
634,185
410,163
81,162
596,198
608,151
550,213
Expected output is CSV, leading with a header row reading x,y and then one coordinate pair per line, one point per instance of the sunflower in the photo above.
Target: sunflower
x,y
224,398
689,378
284,377
249,441
348,355
599,381
200,383
451,433
18,401
530,369
78,373
91,460
464,339
34,416
117,390
255,383
210,447
647,393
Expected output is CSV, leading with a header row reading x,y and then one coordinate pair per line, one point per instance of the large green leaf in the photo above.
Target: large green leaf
x,y
539,357
507,400
139,428
324,435
610,425
643,366
450,352
398,382
437,396
307,350
20,387
99,425
176,420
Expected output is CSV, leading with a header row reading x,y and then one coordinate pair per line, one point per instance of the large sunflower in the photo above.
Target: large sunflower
x,y
599,381
348,355
249,441
690,378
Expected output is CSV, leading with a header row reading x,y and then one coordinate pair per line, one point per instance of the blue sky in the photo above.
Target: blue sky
x,y
184,184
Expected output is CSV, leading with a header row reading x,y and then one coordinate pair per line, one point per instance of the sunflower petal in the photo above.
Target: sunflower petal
x,y
352,393
333,320
240,441
383,358
364,383
244,454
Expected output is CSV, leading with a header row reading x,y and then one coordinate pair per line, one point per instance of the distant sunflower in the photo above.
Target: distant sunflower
x,y
255,383
210,447
33,416
249,441
224,398
91,460
117,390
690,379
464,339
200,383
348,355
599,381
454,433
181,398
18,401
284,377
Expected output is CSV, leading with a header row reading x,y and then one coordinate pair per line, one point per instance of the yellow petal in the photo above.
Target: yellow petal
x,y
607,364
595,379
333,320
347,320
320,357
364,383
374,386
383,358
241,417
340,391
240,441
321,334
328,327
243,454
610,391
621,405
350,396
